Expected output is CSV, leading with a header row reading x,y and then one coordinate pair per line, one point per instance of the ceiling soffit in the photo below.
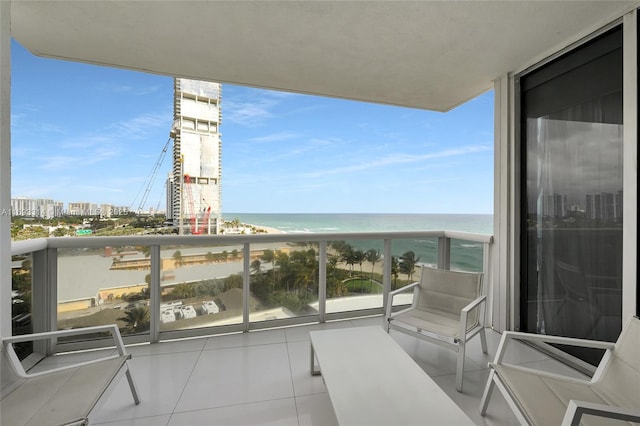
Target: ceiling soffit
x,y
433,55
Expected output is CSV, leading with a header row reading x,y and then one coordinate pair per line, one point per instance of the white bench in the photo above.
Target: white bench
x,y
542,398
373,381
63,395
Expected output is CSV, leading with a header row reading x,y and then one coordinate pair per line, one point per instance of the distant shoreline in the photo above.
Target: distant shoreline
x,y
269,230
249,228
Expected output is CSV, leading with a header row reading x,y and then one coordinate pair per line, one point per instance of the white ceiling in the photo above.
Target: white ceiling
x,y
425,54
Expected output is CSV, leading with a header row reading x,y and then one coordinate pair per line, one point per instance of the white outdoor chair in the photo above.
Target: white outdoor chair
x,y
542,398
446,310
63,395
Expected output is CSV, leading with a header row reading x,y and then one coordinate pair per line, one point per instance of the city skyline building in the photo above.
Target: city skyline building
x,y
604,205
44,208
36,207
195,185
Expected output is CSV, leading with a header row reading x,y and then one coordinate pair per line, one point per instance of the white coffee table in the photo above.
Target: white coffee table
x,y
373,381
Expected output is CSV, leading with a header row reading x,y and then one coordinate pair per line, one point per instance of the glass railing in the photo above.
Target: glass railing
x,y
103,285
354,275
21,301
200,286
162,287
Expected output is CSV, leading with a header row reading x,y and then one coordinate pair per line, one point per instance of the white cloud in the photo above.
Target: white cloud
x,y
249,114
399,158
275,137
142,125
125,88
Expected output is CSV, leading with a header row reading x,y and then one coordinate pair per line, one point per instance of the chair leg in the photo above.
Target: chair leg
x,y
460,367
486,395
483,340
132,386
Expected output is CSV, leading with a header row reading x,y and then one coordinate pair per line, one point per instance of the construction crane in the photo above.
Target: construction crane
x,y
205,219
191,212
160,198
189,196
151,178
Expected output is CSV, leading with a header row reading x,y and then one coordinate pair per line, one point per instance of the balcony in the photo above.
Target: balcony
x,y
235,355
262,377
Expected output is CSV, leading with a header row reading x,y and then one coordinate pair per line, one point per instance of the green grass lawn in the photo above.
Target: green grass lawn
x,y
360,285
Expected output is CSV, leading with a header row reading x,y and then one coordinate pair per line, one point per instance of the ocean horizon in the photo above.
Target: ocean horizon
x,y
366,222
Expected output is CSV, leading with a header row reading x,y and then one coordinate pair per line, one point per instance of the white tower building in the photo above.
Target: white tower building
x,y
197,194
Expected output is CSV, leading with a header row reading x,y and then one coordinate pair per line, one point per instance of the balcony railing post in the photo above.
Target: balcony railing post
x,y
488,286
246,280
322,281
44,301
444,253
155,294
386,272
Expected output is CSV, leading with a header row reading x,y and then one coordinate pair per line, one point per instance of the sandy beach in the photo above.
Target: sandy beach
x,y
247,228
270,230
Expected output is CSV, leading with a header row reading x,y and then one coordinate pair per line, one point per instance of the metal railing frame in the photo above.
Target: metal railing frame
x,y
44,253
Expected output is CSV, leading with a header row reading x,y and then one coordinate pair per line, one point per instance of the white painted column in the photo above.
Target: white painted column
x,y
501,291
5,168
630,166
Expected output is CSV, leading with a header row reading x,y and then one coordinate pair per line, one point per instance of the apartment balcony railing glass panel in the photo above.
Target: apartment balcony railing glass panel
x,y
200,286
164,287
466,255
104,285
354,275
407,257
21,298
284,281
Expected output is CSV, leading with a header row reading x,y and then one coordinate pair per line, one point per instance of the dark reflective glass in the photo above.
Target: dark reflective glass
x,y
572,137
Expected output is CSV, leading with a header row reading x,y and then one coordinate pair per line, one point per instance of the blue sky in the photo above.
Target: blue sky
x,y
89,133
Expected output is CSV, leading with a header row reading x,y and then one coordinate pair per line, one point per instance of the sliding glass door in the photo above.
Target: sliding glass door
x,y
571,133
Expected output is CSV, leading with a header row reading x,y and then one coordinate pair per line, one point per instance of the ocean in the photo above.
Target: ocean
x,y
465,255
367,222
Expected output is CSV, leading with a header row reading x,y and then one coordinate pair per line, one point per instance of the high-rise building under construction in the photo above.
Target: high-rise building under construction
x,y
194,189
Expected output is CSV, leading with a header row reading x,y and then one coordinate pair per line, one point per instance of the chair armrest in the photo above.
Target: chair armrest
x,y
464,313
17,365
474,304
403,289
576,409
531,337
411,286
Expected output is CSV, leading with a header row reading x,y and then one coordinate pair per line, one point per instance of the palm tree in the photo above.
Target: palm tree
x,y
408,264
359,257
255,266
373,257
395,270
136,319
183,291
269,256
177,258
284,266
347,256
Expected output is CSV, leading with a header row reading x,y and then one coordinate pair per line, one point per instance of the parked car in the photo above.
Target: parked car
x,y
188,312
209,307
167,315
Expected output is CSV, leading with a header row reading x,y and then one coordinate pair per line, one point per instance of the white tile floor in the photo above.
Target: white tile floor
x,y
262,378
